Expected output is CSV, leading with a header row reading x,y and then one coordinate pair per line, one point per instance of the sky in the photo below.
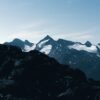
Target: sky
x,y
76,20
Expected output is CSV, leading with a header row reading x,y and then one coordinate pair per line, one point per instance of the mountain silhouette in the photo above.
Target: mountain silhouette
x,y
85,57
19,43
35,76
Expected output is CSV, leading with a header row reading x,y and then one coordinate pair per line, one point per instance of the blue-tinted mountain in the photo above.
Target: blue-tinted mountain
x,y
19,43
83,56
35,76
88,44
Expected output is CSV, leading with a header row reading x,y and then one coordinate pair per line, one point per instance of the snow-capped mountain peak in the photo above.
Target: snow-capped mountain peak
x,y
45,45
88,44
24,45
67,52
40,44
48,37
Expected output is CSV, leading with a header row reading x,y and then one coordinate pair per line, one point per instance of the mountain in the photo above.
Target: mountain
x,y
86,56
88,44
24,45
45,45
35,76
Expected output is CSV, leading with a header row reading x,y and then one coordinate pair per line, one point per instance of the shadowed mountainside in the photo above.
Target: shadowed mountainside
x,y
35,76
85,57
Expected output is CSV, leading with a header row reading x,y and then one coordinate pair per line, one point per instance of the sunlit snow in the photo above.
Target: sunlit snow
x,y
43,42
46,49
28,48
79,47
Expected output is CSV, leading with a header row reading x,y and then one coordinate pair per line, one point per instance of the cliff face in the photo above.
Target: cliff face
x,y
35,76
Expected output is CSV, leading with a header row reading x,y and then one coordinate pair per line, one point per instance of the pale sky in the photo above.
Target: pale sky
x,y
77,20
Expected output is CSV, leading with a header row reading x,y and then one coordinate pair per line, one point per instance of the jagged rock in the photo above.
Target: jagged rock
x,y
35,76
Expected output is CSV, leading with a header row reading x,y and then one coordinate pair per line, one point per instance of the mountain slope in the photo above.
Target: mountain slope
x,y
86,56
34,76
24,45
83,56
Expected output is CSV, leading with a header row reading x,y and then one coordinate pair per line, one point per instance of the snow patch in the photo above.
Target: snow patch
x,y
28,48
43,42
79,47
46,49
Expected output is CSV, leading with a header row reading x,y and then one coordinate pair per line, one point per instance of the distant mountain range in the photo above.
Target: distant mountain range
x,y
35,76
83,56
24,45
